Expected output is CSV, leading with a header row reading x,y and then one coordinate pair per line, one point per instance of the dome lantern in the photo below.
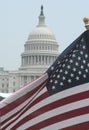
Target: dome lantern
x,y
41,10
41,18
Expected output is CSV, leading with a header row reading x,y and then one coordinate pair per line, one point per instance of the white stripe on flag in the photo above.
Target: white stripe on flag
x,y
47,101
17,109
53,98
68,122
52,113
24,90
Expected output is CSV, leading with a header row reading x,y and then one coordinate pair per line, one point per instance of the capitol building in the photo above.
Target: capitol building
x,y
40,51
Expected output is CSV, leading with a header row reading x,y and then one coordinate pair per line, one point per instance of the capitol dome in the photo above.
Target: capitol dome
x,y
41,32
40,49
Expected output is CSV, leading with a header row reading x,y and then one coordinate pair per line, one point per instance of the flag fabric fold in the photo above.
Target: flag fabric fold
x,y
59,99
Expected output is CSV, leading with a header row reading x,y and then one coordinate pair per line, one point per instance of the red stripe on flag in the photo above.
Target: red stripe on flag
x,y
54,105
20,100
59,118
81,126
21,111
49,107
43,96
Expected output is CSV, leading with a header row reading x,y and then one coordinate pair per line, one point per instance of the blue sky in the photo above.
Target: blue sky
x,y
19,17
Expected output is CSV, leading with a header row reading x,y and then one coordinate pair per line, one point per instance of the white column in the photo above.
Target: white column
x,y
51,59
41,60
44,59
21,61
31,60
34,59
38,59
28,60
47,59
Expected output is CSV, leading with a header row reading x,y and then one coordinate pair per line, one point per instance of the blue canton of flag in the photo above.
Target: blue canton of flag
x,y
72,66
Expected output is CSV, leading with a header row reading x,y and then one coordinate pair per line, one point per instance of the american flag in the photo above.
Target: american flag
x,y
59,99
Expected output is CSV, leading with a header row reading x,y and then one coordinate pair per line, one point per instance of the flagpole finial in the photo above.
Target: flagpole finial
x,y
86,21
